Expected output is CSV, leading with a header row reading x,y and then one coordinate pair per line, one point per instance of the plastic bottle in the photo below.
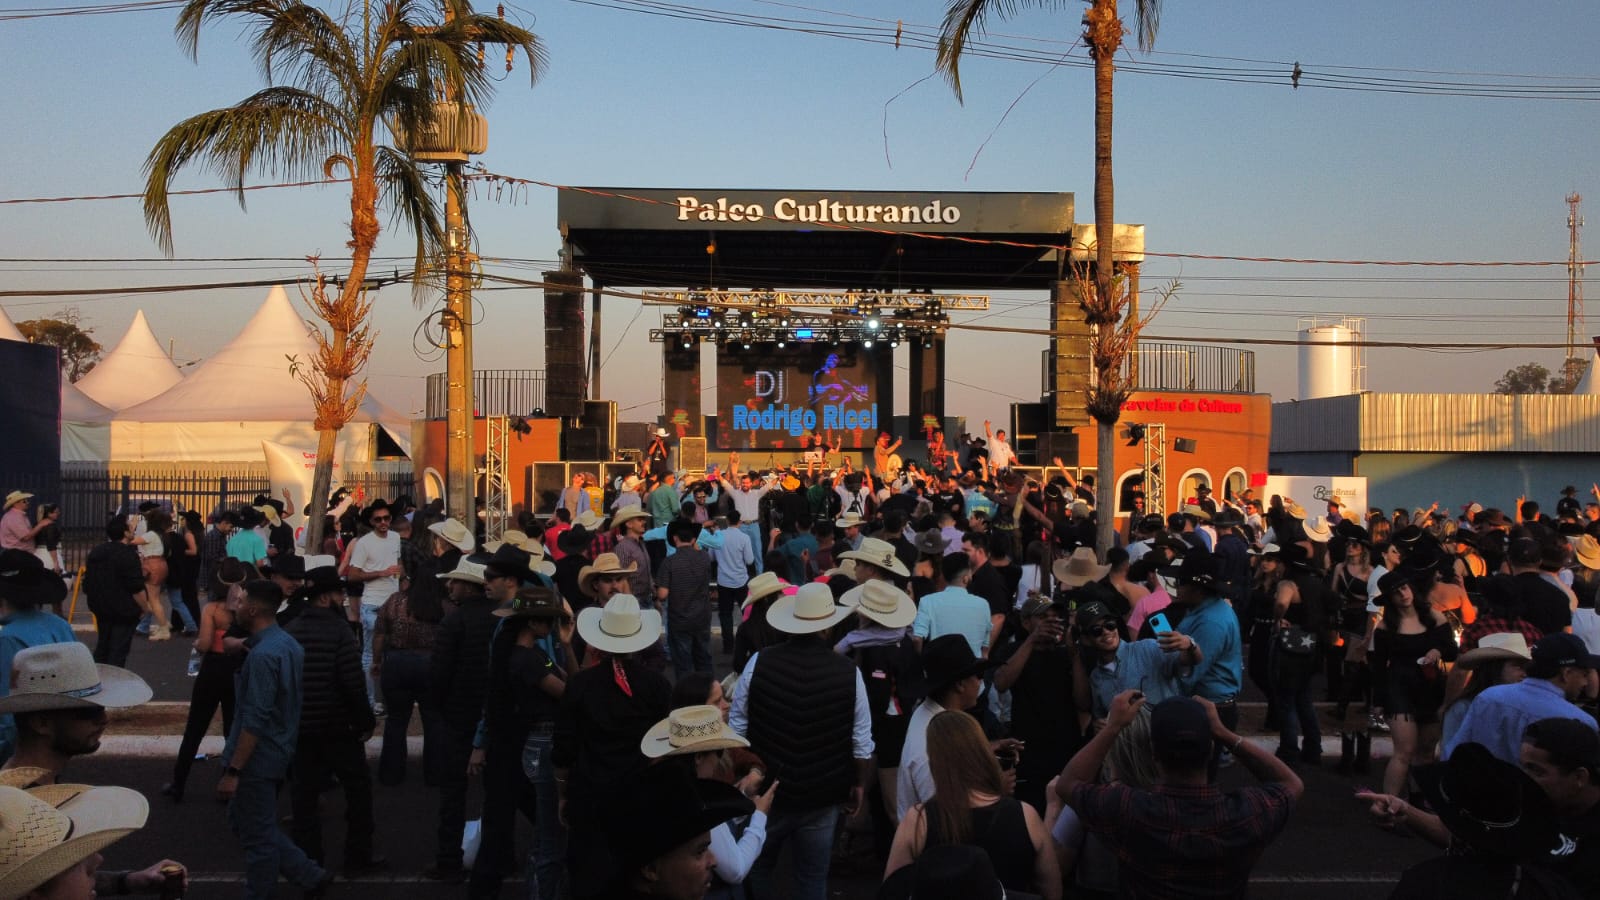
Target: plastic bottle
x,y
194,663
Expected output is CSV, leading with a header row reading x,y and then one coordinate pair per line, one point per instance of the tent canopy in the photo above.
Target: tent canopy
x,y
135,370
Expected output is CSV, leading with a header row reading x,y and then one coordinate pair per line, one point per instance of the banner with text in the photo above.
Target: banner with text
x,y
788,398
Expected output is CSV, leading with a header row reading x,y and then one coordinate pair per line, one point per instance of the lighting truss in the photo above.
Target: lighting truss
x,y
837,300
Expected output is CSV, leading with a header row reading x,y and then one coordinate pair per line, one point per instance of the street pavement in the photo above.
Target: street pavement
x,y
1329,850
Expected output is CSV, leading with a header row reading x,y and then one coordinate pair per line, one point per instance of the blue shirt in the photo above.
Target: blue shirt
x,y
1500,714
267,689
734,557
1141,666
1215,628
803,542
29,628
247,546
954,610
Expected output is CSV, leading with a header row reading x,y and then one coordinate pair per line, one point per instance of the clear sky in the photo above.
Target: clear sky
x,y
1219,167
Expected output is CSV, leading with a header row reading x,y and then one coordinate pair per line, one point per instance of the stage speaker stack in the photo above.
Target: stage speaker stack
x,y
565,381
692,454
601,415
582,443
1069,375
1058,444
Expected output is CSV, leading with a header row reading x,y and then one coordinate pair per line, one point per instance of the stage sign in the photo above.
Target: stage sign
x,y
781,399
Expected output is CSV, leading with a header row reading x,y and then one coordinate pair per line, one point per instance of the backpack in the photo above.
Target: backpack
x,y
893,677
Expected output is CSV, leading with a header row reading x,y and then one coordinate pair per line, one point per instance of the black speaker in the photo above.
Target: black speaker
x,y
548,480
602,416
565,384
1028,419
1062,444
1183,445
582,443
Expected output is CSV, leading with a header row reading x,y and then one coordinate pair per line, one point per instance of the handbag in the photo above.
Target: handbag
x,y
1295,641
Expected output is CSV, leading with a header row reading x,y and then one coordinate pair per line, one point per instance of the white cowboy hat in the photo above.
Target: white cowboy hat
x,y
846,567
537,560
620,626
455,534
629,512
631,483
763,585
465,570
1079,569
849,520
39,841
807,611
878,553
590,520
15,497
1318,529
320,560
690,729
65,676
881,602
660,432
604,564
1500,645
1199,512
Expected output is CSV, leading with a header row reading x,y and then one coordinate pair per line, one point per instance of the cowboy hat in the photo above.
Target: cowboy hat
x,y
948,659
291,566
845,569
1490,804
376,505
508,560
789,483
533,602
764,585
849,520
24,581
39,842
65,676
511,536
468,569
272,509
1318,530
660,432
1266,549
878,553
881,602
604,564
620,626
574,541
661,808
1079,569
1295,510
626,513
631,483
322,580
1199,567
15,497
687,730
1500,645
1198,512
1587,550
591,520
931,542
807,611
455,534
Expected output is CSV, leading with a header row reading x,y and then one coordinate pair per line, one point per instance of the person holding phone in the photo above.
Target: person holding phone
x,y
1110,662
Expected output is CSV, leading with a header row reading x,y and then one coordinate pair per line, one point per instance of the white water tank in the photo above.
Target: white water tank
x,y
1328,361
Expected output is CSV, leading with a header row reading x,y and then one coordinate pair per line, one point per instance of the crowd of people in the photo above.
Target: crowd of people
x,y
674,679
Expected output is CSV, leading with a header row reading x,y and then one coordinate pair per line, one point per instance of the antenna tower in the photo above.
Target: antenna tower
x,y
1574,274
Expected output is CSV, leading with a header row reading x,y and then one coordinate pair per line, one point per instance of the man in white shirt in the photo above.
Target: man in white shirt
x,y
375,565
955,678
1000,455
746,496
735,557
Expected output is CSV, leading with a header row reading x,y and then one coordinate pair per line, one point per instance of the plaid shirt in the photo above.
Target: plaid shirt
x,y
604,542
1183,840
1486,625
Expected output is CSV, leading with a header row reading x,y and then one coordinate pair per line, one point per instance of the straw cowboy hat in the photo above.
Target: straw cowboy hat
x,y
512,536
533,602
1587,550
15,497
623,515
878,553
455,534
65,676
849,520
1079,569
1318,529
845,568
631,483
807,611
273,514
467,569
589,520
881,602
1198,512
39,841
604,564
690,729
620,626
1500,645
764,585
1294,509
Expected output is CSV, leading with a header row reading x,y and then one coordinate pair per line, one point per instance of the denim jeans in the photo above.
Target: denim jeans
x,y
752,530
176,606
548,860
405,683
691,649
369,621
1297,718
812,833
253,816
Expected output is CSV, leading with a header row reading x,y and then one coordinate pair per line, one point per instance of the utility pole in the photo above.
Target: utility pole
x,y
1574,273
461,462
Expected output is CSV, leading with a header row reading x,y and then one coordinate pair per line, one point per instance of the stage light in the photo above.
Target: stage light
x,y
894,342
1134,433
872,324
780,343
784,321
866,342
803,334
702,312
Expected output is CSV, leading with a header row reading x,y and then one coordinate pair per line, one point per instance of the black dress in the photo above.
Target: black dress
x,y
1403,687
1000,830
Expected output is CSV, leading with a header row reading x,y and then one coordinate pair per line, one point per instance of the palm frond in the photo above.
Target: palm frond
x,y
278,130
197,13
1146,22
410,200
962,20
308,47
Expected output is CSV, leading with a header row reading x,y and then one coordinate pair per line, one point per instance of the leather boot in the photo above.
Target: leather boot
x,y
1347,752
1363,763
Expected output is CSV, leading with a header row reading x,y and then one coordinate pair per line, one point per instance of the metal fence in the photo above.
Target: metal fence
x,y
1194,367
495,392
90,493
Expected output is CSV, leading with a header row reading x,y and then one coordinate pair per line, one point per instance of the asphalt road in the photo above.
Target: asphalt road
x,y
1328,851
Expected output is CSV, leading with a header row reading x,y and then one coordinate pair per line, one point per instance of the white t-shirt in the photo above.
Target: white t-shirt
x,y
1000,454
150,544
374,554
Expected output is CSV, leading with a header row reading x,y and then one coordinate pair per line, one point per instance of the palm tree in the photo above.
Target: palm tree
x,y
1102,34
347,84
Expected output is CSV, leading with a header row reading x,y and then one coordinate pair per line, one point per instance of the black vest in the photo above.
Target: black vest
x,y
802,713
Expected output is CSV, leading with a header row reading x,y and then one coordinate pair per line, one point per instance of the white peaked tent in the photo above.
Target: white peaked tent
x,y
245,394
134,371
1587,384
85,424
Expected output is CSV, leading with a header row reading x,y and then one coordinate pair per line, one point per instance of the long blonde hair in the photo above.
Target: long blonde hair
x,y
960,761
1132,760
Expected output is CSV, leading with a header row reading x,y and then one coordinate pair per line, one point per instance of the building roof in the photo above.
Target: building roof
x,y
1438,423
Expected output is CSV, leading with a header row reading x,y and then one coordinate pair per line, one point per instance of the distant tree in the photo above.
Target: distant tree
x,y
79,350
1533,378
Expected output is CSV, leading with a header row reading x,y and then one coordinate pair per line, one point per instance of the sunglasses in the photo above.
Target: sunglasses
x,y
610,578
1098,630
381,518
85,713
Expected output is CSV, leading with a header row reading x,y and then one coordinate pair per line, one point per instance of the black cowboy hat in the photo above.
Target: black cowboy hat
x,y
1350,528
322,580
1408,536
509,560
948,659
292,565
374,506
663,807
533,602
574,541
1199,567
1491,805
24,581
1390,581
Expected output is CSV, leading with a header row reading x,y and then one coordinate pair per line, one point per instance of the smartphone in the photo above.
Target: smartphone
x,y
1159,623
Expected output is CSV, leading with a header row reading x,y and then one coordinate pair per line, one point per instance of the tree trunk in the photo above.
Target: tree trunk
x,y
321,485
1104,218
